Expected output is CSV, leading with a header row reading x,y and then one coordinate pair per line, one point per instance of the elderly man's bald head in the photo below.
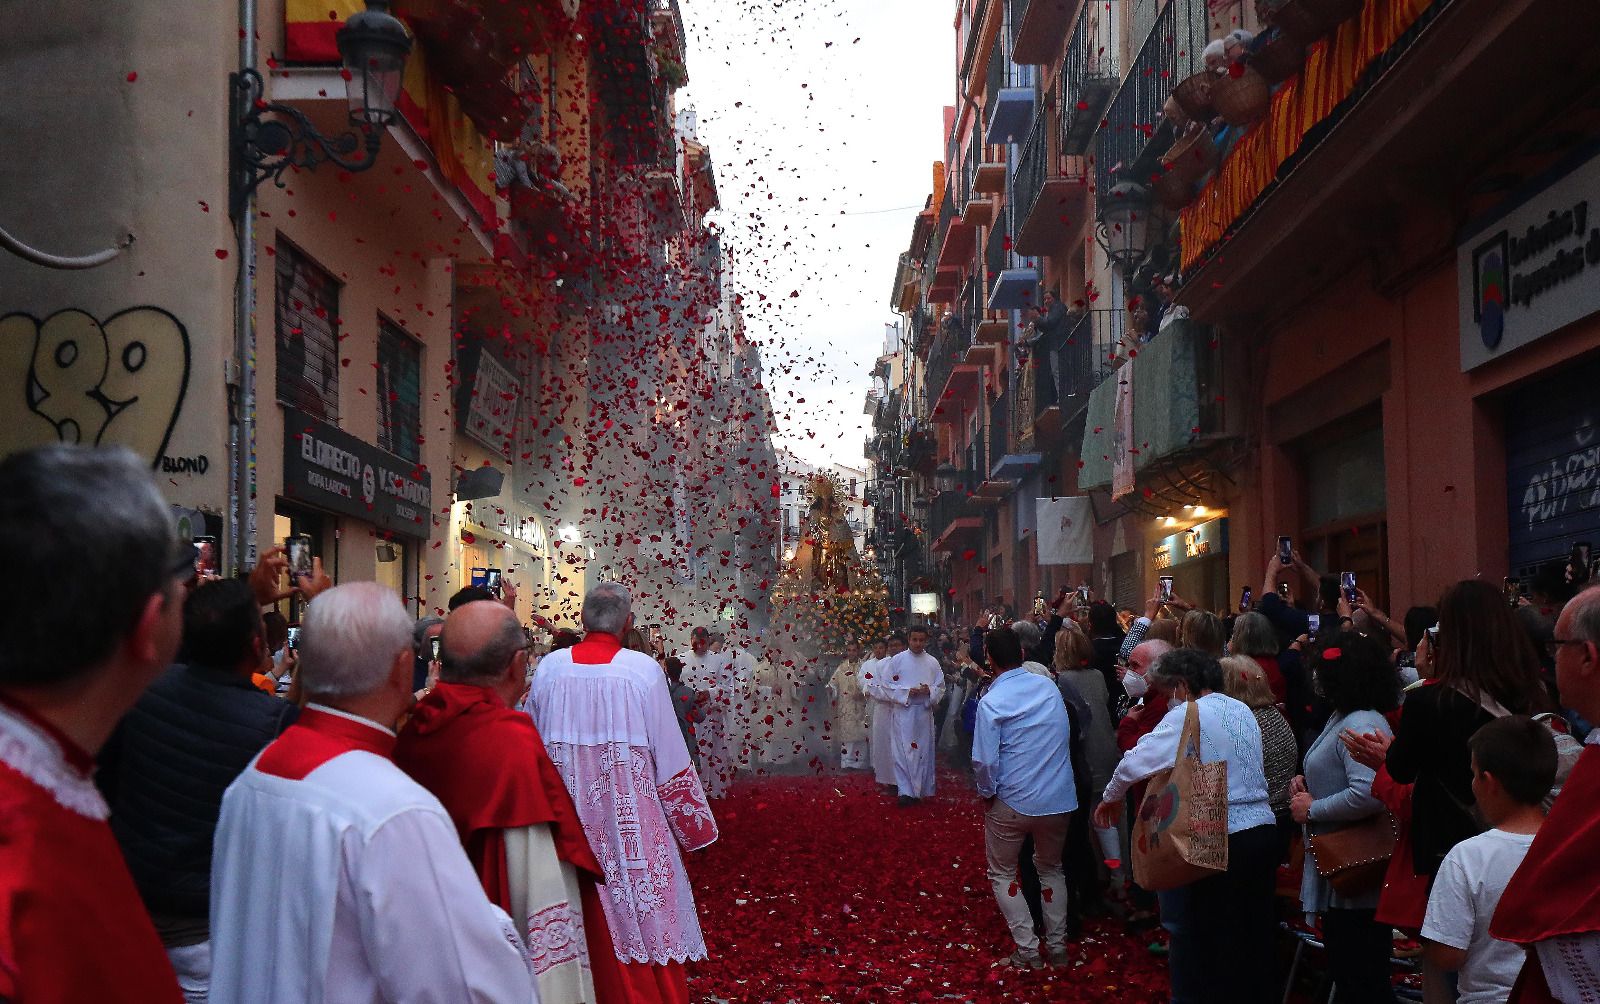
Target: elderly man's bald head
x,y
1146,654
1578,653
478,642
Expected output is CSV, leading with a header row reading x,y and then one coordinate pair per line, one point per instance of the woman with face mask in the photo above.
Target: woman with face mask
x,y
1223,918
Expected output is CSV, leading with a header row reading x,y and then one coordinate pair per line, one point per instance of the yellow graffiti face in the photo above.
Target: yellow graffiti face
x,y
69,361
71,379
147,371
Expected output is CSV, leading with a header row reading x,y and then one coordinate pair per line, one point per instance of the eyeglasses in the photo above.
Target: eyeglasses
x,y
1554,645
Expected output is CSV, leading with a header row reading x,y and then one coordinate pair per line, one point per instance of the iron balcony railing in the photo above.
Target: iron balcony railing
x,y
1134,131
949,506
1091,72
1033,165
1075,361
949,344
971,33
999,428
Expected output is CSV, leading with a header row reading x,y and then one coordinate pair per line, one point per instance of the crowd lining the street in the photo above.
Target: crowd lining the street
x,y
376,808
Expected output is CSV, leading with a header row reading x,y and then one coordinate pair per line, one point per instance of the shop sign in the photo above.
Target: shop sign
x,y
331,469
1202,541
925,603
1531,270
489,412
487,516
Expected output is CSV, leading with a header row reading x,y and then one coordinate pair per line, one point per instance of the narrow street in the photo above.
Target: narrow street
x,y
820,889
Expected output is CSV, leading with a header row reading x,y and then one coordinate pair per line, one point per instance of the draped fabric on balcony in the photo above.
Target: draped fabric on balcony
x,y
1166,406
1333,69
464,156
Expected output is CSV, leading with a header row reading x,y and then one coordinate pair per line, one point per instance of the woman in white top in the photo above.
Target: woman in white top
x,y
1221,926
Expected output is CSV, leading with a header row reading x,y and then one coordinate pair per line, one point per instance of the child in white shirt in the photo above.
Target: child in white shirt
x,y
1513,766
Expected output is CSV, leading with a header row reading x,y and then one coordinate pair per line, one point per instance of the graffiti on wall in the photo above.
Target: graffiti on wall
x,y
81,380
1568,483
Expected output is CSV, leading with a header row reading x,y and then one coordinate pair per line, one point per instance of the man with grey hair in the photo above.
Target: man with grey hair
x,y
607,720
713,673
383,904
93,615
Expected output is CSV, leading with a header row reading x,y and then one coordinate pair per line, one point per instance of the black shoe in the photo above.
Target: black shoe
x,y
907,801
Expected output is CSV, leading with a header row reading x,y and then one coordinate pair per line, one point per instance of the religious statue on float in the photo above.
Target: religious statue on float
x,y
827,594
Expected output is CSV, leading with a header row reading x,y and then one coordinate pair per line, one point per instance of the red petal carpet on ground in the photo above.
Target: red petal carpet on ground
x,y
821,889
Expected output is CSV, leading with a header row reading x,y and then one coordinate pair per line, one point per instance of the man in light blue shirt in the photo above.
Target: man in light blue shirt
x,y
1022,764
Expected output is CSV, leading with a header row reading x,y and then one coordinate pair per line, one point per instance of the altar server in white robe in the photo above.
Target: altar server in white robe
x,y
910,685
376,901
880,747
721,731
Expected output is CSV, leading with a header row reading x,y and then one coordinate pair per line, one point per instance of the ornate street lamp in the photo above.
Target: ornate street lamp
x,y
1123,225
267,139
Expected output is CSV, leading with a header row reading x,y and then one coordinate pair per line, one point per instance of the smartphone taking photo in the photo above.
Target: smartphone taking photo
x,y
433,648
205,556
293,644
1513,591
1246,596
298,550
1347,583
1285,551
491,581
1166,588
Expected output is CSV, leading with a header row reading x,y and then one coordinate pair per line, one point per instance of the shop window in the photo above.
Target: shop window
x,y
1346,506
399,391
307,335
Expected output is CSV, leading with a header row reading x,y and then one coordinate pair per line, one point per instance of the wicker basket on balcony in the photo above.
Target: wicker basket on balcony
x,y
1242,99
1191,156
1193,95
1173,190
1279,58
1174,113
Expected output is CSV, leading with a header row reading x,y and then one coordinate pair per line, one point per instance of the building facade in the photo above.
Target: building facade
x,y
426,366
1276,310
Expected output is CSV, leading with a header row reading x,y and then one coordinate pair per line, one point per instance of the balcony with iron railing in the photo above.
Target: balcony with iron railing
x,y
950,375
1050,192
971,36
1009,95
953,522
1074,359
1134,133
1013,278
1090,73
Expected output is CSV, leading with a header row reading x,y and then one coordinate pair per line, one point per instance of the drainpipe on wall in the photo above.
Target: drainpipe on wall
x,y
242,378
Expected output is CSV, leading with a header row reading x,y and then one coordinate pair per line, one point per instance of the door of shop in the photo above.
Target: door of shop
x,y
1553,466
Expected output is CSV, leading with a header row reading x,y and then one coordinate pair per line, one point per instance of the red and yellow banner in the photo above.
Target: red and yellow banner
x,y
1333,67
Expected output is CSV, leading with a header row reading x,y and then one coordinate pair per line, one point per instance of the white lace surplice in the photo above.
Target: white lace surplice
x,y
611,732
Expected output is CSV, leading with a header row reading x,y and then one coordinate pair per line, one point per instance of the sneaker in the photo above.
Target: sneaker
x,y
1022,960
1057,957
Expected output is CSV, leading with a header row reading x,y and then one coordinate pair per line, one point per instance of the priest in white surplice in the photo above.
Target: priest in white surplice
x,y
850,709
608,724
721,730
376,901
910,685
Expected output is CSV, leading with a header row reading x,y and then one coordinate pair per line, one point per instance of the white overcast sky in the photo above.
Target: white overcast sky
x,y
813,107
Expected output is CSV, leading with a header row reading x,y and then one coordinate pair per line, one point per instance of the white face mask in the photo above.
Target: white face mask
x,y
1134,683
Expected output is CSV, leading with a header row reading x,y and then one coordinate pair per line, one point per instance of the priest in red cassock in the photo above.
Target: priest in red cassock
x,y
96,616
607,721
488,767
1552,904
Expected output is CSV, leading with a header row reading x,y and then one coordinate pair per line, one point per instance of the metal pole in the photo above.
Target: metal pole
x,y
242,504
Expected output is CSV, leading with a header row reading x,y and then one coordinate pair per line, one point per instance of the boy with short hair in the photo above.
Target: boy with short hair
x,y
1513,767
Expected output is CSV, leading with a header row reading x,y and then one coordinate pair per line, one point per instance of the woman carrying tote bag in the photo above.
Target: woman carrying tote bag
x,y
1351,834
1219,921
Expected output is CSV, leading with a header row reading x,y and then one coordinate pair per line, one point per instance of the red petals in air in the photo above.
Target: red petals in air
x,y
222,254
133,75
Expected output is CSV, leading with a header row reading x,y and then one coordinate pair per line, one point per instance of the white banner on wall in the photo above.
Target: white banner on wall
x,y
1066,530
